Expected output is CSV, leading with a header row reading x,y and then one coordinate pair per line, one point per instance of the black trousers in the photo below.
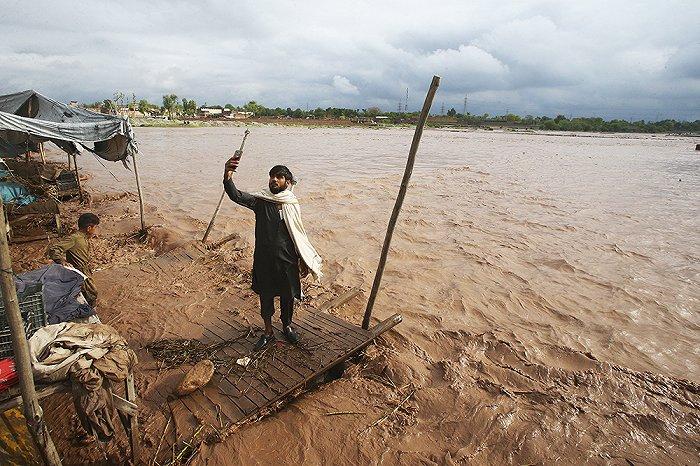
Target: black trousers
x,y
267,307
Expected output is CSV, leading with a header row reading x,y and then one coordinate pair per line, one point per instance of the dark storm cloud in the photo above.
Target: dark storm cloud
x,y
616,59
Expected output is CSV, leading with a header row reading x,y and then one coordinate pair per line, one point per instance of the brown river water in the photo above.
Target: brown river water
x,y
549,283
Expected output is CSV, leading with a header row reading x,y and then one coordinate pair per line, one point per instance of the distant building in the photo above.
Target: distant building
x,y
124,110
213,111
235,115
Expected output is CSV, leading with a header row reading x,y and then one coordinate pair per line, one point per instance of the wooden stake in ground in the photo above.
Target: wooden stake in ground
x,y
138,188
399,200
238,153
77,176
32,411
41,151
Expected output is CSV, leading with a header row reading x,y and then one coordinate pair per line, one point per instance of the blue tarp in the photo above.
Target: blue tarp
x,y
15,193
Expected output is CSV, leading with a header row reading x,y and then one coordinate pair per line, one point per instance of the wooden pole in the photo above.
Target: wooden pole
x,y
41,151
239,154
29,115
32,410
69,165
138,187
77,177
211,222
399,200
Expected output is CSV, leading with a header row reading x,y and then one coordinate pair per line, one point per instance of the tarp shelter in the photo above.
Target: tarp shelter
x,y
28,118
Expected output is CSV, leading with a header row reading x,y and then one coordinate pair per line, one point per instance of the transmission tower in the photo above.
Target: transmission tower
x,y
464,110
442,109
405,107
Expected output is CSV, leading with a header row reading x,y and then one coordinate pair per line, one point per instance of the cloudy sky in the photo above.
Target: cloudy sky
x,y
628,59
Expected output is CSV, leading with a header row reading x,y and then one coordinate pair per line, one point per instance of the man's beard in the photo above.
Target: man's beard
x,y
276,189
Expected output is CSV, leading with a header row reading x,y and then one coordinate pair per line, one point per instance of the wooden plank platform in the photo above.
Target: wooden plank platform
x,y
238,394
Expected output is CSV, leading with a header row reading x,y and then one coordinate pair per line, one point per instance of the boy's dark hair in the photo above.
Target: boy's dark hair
x,y
88,219
281,170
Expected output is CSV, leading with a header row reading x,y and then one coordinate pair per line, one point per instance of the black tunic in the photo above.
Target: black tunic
x,y
275,260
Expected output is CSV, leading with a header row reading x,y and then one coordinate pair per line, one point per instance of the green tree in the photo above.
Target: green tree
x,y
257,109
189,107
170,104
144,106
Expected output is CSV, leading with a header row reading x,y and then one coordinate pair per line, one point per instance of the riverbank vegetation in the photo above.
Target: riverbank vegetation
x,y
189,113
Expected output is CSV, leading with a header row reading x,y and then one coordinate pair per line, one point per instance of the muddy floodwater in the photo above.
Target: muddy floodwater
x,y
549,283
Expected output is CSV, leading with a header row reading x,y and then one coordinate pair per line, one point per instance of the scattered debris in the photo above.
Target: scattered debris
x,y
174,353
389,413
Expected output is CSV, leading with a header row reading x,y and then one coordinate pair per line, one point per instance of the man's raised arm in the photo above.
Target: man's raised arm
x,y
237,196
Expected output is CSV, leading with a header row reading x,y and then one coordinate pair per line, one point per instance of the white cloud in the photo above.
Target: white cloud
x,y
344,86
631,59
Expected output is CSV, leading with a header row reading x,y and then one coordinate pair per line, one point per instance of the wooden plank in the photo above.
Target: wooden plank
x,y
319,341
134,434
259,387
339,332
340,300
247,350
236,351
344,323
351,329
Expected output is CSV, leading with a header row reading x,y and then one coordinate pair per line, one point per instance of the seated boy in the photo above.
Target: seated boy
x,y
75,250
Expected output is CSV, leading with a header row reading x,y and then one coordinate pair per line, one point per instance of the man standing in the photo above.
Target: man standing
x,y
282,247
75,250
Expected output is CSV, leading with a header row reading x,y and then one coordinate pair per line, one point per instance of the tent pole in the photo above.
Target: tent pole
x,y
69,164
29,115
77,177
399,199
33,413
138,187
41,151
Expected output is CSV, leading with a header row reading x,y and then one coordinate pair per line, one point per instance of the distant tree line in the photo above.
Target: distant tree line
x,y
594,124
173,106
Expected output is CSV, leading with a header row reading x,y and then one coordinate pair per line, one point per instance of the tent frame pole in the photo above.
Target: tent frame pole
x,y
77,177
399,199
138,188
33,413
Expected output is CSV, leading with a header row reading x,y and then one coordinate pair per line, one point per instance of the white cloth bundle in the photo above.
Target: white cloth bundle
x,y
291,213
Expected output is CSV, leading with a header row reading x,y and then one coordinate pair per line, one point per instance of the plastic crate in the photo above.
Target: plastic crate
x,y
31,307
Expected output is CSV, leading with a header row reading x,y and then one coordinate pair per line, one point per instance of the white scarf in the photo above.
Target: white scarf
x,y
291,213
